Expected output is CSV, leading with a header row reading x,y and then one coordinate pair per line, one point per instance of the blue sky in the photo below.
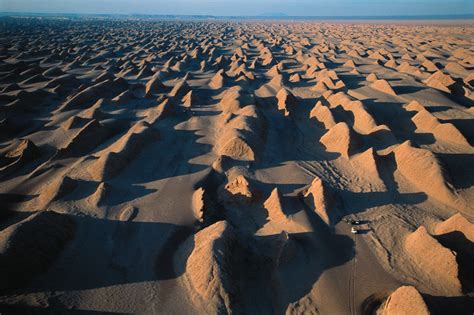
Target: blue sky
x,y
245,7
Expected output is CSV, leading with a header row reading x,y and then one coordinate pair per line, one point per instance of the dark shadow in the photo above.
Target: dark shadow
x,y
464,249
26,166
352,81
363,231
460,168
115,194
398,120
407,89
372,304
457,95
106,253
8,218
277,272
302,84
204,113
359,202
291,138
341,115
157,160
437,109
441,305
465,126
14,198
34,310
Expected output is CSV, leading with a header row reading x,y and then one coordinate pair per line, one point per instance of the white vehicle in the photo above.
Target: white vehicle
x,y
354,230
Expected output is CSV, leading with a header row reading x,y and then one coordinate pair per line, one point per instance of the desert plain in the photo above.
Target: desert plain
x,y
216,167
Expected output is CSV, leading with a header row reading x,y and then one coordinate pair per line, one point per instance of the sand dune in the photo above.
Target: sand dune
x,y
405,300
321,199
434,260
227,167
208,267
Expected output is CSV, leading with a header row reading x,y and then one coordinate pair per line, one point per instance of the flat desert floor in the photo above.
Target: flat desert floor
x,y
157,167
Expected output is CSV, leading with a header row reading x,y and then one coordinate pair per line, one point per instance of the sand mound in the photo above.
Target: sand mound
x,y
277,81
237,148
341,139
320,87
383,86
440,81
217,80
180,89
115,158
128,214
222,164
274,71
74,122
422,169
391,64
295,78
57,189
406,68
340,98
377,56
364,123
273,204
354,53
145,72
167,107
372,77
425,121
95,111
405,300
286,101
198,204
456,223
154,86
21,154
279,222
209,267
25,148
414,106
235,98
469,79
319,197
237,191
429,66
323,114
437,263
349,63
87,138
98,197
29,247
241,135
89,95
368,161
190,99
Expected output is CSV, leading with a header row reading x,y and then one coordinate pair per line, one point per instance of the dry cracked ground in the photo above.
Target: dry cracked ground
x,y
219,167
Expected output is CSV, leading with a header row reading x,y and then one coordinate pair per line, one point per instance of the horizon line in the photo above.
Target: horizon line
x,y
464,16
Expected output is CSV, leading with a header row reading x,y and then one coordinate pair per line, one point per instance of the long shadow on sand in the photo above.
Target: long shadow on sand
x,y
270,288
32,310
106,253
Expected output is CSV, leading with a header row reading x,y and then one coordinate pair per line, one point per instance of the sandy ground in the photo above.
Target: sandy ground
x,y
218,167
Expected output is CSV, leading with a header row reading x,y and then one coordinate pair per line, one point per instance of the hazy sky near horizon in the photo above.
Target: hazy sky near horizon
x,y
245,7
